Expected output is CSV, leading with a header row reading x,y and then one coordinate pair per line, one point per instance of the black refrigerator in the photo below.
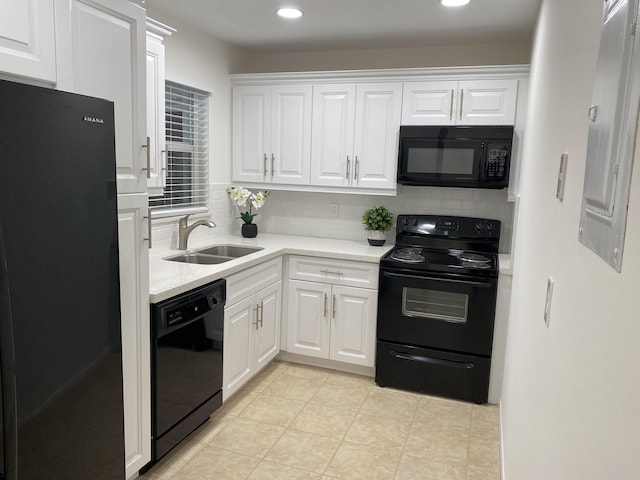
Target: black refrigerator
x,y
60,345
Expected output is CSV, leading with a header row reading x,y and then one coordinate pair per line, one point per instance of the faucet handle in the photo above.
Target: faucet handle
x,y
184,220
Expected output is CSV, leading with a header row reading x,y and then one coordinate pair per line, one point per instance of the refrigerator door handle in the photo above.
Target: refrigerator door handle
x,y
9,469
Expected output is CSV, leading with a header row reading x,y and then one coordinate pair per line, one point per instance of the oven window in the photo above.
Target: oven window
x,y
445,306
448,161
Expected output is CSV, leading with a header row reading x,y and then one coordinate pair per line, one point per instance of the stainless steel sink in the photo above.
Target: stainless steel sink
x,y
199,259
234,251
213,255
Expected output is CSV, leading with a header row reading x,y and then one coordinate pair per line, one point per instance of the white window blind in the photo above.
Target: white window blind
x,y
187,131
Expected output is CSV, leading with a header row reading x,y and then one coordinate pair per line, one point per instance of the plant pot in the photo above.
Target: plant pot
x,y
376,238
249,230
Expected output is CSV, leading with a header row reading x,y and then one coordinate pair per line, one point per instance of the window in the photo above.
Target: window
x,y
187,132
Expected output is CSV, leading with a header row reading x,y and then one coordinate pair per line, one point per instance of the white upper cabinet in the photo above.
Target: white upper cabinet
x,y
272,134
27,39
251,133
355,135
429,103
156,177
332,134
465,102
107,49
290,134
378,109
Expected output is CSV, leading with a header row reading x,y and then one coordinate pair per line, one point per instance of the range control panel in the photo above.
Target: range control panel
x,y
447,226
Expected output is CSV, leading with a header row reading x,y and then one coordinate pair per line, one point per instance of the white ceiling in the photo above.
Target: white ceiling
x,y
345,24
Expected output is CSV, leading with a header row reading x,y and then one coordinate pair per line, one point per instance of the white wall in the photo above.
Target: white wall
x,y
570,405
440,56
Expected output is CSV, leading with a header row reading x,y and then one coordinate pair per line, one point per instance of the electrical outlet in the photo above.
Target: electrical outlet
x,y
547,303
562,176
334,210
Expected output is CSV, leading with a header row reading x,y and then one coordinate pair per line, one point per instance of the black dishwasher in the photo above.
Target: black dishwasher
x,y
186,364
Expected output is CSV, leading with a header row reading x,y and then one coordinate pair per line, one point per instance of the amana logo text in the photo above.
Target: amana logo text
x,y
93,119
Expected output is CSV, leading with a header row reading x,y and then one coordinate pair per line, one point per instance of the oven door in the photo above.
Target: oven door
x,y
437,311
441,162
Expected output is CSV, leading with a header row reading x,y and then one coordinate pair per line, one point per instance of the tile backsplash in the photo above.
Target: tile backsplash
x,y
314,214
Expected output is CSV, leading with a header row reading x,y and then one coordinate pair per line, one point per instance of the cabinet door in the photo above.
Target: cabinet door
x,y
239,322
308,318
334,108
487,102
108,39
429,103
378,108
251,135
353,325
290,154
155,114
267,336
27,39
134,306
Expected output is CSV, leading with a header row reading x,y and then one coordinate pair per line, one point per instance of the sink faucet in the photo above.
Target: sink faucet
x,y
184,231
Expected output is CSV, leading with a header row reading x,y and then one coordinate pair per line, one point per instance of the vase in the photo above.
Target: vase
x,y
376,238
249,230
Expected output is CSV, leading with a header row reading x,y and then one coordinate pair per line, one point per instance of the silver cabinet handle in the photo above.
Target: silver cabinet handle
x,y
255,324
593,113
265,165
461,102
261,313
356,170
148,147
273,169
165,152
333,307
348,167
327,272
326,308
148,219
451,106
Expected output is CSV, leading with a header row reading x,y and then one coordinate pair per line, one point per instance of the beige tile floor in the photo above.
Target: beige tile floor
x,y
298,422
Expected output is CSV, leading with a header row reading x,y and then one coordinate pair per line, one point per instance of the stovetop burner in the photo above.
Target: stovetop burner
x,y
407,255
474,258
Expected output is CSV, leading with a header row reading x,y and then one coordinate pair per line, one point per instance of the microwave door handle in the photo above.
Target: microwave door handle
x,y
483,160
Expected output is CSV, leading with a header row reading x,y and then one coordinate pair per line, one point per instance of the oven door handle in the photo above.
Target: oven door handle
x,y
433,361
438,279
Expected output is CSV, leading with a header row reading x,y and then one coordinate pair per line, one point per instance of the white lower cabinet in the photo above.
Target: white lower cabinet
x,y
134,305
329,318
251,323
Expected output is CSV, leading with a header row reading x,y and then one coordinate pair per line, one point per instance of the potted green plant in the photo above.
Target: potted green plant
x,y
376,221
246,198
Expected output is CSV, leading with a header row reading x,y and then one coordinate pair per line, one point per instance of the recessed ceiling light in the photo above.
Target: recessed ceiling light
x,y
454,3
289,12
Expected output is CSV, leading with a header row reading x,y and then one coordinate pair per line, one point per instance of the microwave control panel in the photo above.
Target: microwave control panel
x,y
497,162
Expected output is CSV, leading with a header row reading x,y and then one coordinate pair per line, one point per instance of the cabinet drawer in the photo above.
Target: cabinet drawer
x,y
336,272
249,281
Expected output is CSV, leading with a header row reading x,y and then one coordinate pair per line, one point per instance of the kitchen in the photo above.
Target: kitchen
x,y
553,424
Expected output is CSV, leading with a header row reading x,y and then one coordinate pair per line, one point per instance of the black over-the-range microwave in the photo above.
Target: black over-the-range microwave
x,y
455,156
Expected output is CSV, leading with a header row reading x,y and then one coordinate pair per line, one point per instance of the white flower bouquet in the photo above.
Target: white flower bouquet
x,y
245,197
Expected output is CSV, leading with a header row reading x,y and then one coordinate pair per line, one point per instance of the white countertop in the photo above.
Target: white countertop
x,y
167,278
